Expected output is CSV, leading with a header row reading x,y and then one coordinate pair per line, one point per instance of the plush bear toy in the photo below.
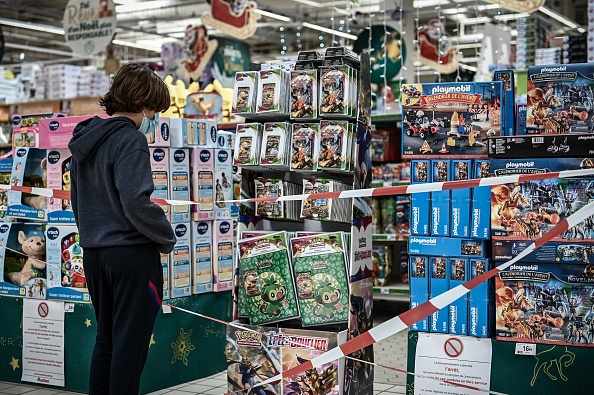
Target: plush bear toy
x,y
34,248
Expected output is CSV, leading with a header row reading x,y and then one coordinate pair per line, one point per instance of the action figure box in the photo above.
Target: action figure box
x,y
55,133
161,136
304,94
160,171
267,276
203,187
22,261
551,146
546,303
179,183
319,263
58,177
419,288
29,169
248,138
179,265
458,310
222,255
446,246
560,98
438,284
480,301
65,273
5,173
461,199
562,252
450,120
201,256
305,144
166,265
420,203
257,353
244,93
508,104
528,210
480,220
440,200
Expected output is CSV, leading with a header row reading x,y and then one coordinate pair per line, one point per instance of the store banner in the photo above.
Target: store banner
x,y
387,53
230,57
89,25
519,5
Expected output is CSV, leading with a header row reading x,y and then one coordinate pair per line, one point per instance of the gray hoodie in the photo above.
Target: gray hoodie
x,y
112,184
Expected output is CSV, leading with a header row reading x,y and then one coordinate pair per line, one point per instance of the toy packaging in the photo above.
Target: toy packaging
x,y
26,137
248,138
440,200
561,252
521,114
305,144
438,284
508,110
335,210
225,139
575,145
461,199
58,177
420,203
180,267
65,273
160,137
451,120
274,187
276,145
419,288
546,303
334,146
5,173
203,190
480,220
265,270
480,301
29,169
244,93
304,94
334,91
23,274
272,97
179,173
319,263
204,105
201,257
160,170
382,265
446,246
26,120
223,169
166,264
55,133
199,132
560,99
222,255
458,310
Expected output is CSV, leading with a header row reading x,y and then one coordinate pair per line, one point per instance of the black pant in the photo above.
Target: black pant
x,y
126,289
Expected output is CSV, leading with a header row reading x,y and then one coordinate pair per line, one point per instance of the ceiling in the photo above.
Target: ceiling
x,y
144,24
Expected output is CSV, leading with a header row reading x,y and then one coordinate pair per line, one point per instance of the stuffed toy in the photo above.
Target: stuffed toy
x,y
34,265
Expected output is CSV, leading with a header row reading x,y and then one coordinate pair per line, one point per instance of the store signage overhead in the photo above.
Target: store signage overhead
x,y
237,18
519,5
89,25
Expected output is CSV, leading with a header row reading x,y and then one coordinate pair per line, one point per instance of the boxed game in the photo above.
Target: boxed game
x,y
5,173
461,199
446,246
244,93
56,133
438,284
160,170
276,145
248,138
223,170
180,267
58,177
319,264
451,120
560,98
160,137
562,252
334,145
480,301
201,257
179,183
420,203
458,310
419,288
65,273
440,200
304,94
29,169
22,263
222,255
480,220
267,275
305,144
545,303
508,105
542,146
203,190
165,263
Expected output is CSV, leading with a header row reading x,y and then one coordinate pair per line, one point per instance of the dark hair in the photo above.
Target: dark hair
x,y
135,88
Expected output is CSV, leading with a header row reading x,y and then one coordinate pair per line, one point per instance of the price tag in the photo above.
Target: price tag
x,y
166,309
384,291
68,307
391,237
525,349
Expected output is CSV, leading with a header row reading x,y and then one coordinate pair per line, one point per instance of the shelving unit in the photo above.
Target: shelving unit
x,y
397,293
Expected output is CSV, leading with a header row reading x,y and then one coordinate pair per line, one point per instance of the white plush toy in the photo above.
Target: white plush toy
x,y
34,248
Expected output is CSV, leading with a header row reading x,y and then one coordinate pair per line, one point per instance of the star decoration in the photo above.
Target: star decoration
x,y
88,322
152,341
14,363
182,347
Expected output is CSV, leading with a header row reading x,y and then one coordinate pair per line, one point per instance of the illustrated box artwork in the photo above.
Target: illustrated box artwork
x,y
419,288
247,144
562,252
304,94
58,177
305,140
180,265
438,284
244,92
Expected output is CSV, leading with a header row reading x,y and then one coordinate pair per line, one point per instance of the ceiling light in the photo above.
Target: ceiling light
x,y
559,17
330,31
508,17
271,15
309,3
146,5
463,19
581,30
137,45
429,3
488,7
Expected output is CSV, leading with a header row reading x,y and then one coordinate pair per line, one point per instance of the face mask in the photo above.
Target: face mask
x,y
148,125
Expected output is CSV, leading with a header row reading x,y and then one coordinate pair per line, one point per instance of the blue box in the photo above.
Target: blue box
x,y
461,199
508,112
440,200
458,310
480,224
480,301
439,283
446,246
420,203
521,110
559,252
419,288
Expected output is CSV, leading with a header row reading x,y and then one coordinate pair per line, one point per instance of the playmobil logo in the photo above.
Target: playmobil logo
x,y
165,132
552,69
455,221
4,228
158,155
224,227
53,157
179,156
54,125
435,211
415,212
434,317
202,228
473,320
453,316
53,233
223,156
204,155
21,152
588,137
181,230
451,89
512,165
524,267
476,219
427,241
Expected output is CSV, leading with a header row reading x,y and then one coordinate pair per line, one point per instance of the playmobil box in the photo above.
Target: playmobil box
x,y
420,203
29,169
203,187
166,282
575,145
439,283
480,301
56,133
458,310
461,199
450,120
160,170
440,200
223,185
180,267
58,177
201,256
179,183
222,255
560,98
22,261
25,120
419,288
5,173
161,136
480,220
65,273
580,252
446,246
521,114
508,110
545,303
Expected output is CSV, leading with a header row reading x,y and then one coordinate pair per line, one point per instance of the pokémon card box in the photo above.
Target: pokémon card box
x,y
248,138
581,252
58,177
179,183
29,169
480,301
160,170
438,284
545,303
575,145
244,92
201,256
450,120
446,246
222,254
180,265
420,203
560,98
458,309
419,288
461,199
223,183
480,220
440,200
508,110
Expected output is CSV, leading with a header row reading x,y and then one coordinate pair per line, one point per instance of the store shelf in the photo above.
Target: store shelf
x,y
389,237
227,125
396,292
379,184
386,118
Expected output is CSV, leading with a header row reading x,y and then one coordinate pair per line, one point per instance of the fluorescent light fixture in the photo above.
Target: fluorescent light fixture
x,y
271,15
144,6
581,30
330,31
488,7
509,17
137,45
465,20
559,17
453,11
429,3
309,3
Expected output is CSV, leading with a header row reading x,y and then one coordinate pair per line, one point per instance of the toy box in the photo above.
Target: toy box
x,y
480,301
451,120
305,146
29,169
521,114
244,92
446,246
165,263
58,177
528,210
552,146
23,272
458,310
439,283
546,303
161,179
55,133
508,105
440,200
461,199
161,136
335,91
419,288
65,273
26,137
275,145
420,203
5,173
560,98
179,173
26,120
225,139
272,96
247,144
222,255
480,221
562,252
223,169
203,190
180,267
191,132
201,257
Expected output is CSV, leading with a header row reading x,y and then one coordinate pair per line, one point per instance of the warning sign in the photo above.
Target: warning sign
x,y
453,347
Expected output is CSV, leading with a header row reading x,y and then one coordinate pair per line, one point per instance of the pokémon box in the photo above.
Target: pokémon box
x,y
59,211
201,257
23,273
180,268
65,273
55,133
420,203
160,173
419,288
560,98
458,310
446,246
553,251
440,200
179,183
480,301
461,199
222,255
438,284
161,136
545,303
29,169
450,120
